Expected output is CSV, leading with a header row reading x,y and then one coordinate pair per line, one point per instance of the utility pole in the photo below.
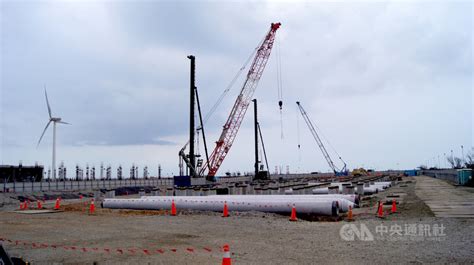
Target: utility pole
x,y
192,159
452,158
256,136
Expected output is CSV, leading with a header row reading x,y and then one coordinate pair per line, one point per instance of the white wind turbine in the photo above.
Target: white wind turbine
x,y
54,121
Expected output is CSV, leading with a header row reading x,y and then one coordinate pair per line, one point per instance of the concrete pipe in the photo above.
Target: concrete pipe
x,y
350,190
384,184
371,190
234,203
231,189
321,191
333,190
360,188
344,201
344,188
245,189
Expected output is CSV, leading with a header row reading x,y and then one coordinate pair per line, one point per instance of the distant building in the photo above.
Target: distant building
x,y
21,173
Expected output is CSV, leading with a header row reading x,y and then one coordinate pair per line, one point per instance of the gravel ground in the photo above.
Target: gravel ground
x,y
254,238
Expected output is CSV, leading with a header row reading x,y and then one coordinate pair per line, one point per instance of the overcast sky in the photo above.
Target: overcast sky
x,y
390,85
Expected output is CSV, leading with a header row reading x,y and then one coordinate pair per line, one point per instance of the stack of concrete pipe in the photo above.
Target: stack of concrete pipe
x,y
306,204
348,188
374,187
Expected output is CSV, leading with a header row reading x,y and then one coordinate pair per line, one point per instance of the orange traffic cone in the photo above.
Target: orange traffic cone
x,y
92,207
380,210
349,214
394,206
173,208
293,214
226,260
57,205
225,213
38,202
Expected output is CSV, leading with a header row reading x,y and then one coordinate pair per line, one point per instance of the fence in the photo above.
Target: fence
x,y
82,184
446,174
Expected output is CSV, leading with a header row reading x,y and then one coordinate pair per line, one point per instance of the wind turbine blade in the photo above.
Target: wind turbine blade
x,y
43,133
47,102
63,122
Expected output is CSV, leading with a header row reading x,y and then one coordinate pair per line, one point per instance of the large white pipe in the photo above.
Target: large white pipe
x,y
384,184
344,201
372,189
262,203
350,197
321,190
354,198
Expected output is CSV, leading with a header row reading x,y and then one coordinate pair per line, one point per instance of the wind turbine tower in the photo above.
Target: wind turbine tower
x,y
54,120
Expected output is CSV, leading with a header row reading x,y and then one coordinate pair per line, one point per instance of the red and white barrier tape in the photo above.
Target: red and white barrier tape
x,y
110,250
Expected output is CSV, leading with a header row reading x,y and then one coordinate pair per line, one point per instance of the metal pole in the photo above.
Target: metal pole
x,y
263,147
462,152
256,135
202,128
192,161
452,158
54,150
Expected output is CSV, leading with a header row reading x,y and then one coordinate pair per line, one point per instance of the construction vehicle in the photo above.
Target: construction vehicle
x,y
337,172
358,172
236,116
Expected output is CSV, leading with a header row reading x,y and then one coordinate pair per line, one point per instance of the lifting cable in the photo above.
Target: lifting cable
x,y
227,89
279,82
298,133
263,146
231,84
329,143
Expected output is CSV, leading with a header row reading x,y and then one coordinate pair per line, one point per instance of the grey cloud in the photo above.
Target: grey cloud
x,y
118,70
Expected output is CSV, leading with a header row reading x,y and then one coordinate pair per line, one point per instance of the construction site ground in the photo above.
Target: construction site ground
x,y
72,236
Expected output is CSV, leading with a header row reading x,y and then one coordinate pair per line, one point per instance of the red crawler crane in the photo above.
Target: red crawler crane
x,y
241,104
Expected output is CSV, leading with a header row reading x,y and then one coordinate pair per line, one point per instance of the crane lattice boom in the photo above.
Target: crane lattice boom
x,y
241,104
316,137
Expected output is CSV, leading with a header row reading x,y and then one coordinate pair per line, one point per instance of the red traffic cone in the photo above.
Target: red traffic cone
x,y
22,206
349,214
92,207
225,213
226,260
40,206
293,214
394,206
380,210
57,205
173,208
